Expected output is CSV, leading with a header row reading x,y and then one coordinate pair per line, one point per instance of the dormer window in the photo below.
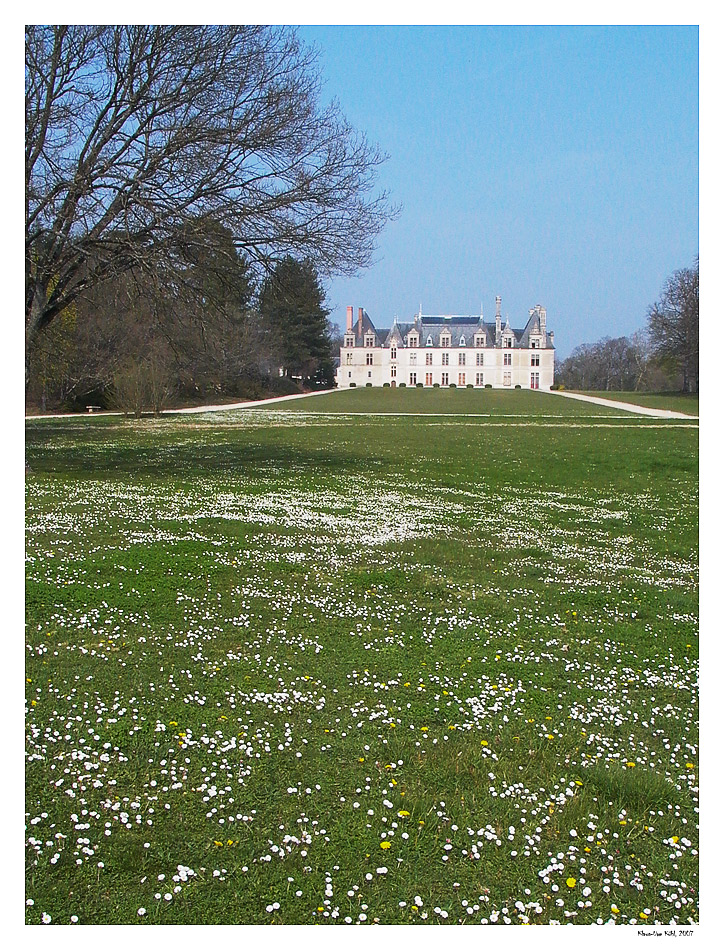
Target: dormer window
x,y
462,341
428,342
444,340
508,342
369,341
480,340
349,341
534,344
412,340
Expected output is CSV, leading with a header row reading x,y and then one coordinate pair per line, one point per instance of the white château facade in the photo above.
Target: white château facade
x,y
447,350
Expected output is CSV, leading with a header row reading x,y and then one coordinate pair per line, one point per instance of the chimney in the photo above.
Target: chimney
x,y
360,312
497,318
350,318
542,318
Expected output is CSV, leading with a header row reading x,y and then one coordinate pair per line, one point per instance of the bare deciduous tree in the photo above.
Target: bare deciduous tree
x,y
138,138
674,325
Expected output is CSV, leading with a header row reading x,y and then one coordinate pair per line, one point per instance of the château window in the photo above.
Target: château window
x,y
445,379
479,359
429,341
444,340
393,372
461,379
369,341
428,379
428,359
535,380
413,359
508,342
412,340
461,359
506,379
534,344
349,341
480,341
350,357
535,360
479,379
413,379
507,359
393,352
370,359
462,341
445,359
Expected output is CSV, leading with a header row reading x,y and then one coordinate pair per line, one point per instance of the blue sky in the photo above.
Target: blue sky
x,y
552,165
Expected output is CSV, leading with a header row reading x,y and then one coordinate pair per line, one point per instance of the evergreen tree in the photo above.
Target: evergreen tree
x,y
291,304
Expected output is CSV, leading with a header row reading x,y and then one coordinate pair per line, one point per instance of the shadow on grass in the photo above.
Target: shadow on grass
x,y
185,460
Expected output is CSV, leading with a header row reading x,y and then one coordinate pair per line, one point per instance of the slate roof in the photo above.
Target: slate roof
x,y
433,326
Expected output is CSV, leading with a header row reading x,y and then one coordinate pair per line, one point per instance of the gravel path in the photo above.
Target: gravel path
x,y
626,406
236,405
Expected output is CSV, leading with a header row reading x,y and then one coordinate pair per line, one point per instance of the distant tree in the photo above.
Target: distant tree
x,y
291,306
138,137
673,323
610,365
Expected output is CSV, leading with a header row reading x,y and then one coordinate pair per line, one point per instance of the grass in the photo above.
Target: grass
x,y
302,666
679,402
446,400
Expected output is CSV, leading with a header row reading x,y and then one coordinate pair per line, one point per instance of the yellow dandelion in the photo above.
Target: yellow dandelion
x,y
571,881
630,765
403,813
484,742
385,845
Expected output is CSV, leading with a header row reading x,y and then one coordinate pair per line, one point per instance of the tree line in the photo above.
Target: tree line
x,y
122,345
662,357
175,178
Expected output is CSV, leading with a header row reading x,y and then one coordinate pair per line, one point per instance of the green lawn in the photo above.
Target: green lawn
x,y
303,666
447,400
679,402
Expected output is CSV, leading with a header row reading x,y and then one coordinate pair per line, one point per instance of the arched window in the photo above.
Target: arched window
x,y
462,341
429,341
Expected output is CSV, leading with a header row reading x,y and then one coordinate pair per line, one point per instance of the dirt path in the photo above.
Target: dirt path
x,y
626,406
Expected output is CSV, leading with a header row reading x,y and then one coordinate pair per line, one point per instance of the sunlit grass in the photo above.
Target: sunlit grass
x,y
362,670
